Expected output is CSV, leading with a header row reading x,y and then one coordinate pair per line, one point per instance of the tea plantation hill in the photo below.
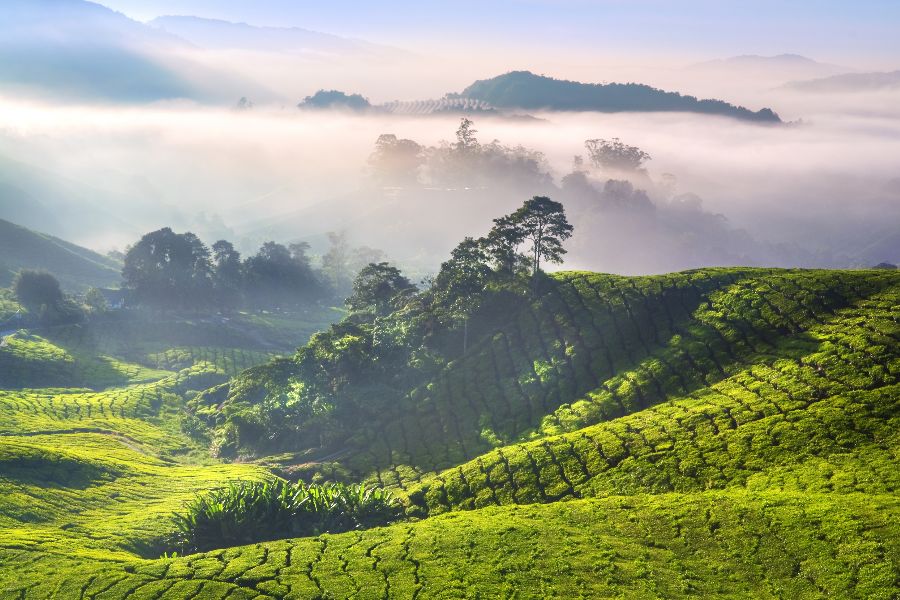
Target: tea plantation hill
x,y
715,433
76,268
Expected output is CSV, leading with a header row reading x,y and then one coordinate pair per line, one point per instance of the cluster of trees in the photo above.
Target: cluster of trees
x,y
395,336
40,293
169,270
324,99
525,90
464,162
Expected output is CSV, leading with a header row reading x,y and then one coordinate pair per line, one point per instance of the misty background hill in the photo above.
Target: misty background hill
x,y
849,82
216,33
782,67
83,51
37,197
525,90
75,267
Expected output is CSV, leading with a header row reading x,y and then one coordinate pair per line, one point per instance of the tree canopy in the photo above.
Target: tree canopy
x,y
543,222
37,289
377,288
615,154
168,270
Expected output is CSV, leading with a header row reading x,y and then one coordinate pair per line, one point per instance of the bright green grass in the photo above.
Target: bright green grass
x,y
231,361
840,398
31,360
709,545
719,433
8,305
118,349
599,347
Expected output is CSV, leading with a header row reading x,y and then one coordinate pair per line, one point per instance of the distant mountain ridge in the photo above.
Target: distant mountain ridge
x,y
525,90
75,267
220,34
81,50
771,69
849,82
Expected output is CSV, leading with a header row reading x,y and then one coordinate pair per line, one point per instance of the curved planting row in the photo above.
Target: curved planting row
x,y
620,344
711,545
836,394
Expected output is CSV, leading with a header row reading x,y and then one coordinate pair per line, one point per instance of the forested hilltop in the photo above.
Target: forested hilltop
x,y
718,432
525,90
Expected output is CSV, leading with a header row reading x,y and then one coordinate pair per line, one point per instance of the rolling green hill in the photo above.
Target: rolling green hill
x,y
715,433
75,267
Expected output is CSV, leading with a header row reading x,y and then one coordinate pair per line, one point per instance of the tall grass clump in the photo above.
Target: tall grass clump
x,y
250,512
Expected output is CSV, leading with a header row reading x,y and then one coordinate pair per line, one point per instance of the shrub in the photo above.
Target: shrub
x,y
253,512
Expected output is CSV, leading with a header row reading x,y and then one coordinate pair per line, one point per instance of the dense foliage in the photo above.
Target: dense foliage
x,y
522,89
178,271
394,339
715,433
41,294
334,99
252,512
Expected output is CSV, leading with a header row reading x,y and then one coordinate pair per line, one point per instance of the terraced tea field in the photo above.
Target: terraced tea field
x,y
717,433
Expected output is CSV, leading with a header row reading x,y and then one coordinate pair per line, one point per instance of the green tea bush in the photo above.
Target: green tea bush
x,y
262,511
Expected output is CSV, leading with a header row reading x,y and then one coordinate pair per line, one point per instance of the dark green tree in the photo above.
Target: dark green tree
x,y
378,288
228,277
299,254
502,245
169,270
37,290
278,275
95,300
462,281
543,222
615,154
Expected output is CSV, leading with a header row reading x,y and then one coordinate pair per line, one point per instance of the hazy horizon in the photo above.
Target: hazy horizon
x,y
171,149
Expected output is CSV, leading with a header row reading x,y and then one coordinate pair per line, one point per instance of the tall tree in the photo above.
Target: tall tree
x,y
462,280
615,154
36,290
169,270
502,245
465,136
276,275
544,223
227,275
396,161
377,289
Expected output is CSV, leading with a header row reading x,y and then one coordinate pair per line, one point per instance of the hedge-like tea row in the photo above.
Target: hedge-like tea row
x,y
598,347
837,396
706,545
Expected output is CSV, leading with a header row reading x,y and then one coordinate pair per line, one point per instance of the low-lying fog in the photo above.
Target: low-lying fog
x,y
824,191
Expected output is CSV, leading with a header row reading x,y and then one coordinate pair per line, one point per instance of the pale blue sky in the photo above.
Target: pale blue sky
x,y
832,30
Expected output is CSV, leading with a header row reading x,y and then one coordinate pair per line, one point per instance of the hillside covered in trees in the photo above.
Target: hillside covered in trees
x,y
717,432
525,90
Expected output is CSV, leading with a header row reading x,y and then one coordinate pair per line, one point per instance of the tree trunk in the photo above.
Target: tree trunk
x,y
465,335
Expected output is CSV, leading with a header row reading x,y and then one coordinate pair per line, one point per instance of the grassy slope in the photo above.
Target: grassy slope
x,y
711,545
598,347
718,433
95,474
832,400
76,268
124,348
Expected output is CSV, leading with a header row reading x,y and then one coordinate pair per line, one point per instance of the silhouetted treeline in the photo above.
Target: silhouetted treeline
x,y
169,270
522,89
